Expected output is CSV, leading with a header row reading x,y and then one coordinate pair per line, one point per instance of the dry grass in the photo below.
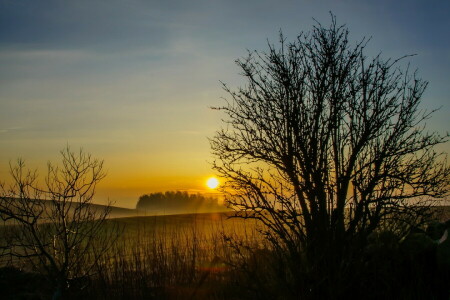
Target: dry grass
x,y
173,257
194,256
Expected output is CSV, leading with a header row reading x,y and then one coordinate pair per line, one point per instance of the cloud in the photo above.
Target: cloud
x,y
189,132
46,54
107,26
11,129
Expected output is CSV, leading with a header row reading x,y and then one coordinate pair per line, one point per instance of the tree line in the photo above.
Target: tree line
x,y
177,201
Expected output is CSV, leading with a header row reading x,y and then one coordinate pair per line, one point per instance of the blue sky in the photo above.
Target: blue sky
x,y
132,81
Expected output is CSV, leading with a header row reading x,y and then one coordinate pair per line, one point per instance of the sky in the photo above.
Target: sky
x,y
133,82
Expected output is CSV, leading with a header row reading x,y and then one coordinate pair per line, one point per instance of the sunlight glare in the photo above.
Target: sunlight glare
x,y
212,183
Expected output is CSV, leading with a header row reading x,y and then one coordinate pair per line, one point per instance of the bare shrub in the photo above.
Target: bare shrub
x,y
54,228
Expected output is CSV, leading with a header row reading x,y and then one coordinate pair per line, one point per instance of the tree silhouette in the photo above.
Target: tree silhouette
x,y
55,228
324,145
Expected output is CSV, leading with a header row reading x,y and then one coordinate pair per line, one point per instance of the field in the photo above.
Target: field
x,y
163,257
175,256
191,256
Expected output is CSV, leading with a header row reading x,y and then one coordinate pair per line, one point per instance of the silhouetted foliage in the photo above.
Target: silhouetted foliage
x,y
176,202
17,284
325,146
53,227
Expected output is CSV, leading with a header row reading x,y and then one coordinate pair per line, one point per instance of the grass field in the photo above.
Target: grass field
x,y
166,257
190,256
174,257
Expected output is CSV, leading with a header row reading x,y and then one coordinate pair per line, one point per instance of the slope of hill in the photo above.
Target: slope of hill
x,y
121,212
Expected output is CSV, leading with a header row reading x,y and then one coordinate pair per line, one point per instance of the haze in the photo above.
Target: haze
x,y
132,82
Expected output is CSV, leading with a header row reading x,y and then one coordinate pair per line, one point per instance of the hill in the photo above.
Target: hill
x,y
121,212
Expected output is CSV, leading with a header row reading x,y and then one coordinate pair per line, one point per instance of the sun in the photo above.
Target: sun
x,y
212,182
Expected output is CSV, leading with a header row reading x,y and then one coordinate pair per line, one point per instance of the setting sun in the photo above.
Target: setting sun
x,y
212,183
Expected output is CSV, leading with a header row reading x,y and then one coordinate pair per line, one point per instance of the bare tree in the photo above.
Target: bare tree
x,y
55,228
323,144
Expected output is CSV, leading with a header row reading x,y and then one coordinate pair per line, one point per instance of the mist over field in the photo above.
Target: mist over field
x,y
224,150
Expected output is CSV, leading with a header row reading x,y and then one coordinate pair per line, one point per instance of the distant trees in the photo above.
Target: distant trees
x,y
176,202
53,226
324,145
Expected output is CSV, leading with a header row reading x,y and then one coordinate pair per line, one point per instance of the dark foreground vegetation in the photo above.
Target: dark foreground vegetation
x,y
325,159
208,256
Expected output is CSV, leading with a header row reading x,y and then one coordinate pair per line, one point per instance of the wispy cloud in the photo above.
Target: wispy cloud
x,y
10,129
189,132
46,54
